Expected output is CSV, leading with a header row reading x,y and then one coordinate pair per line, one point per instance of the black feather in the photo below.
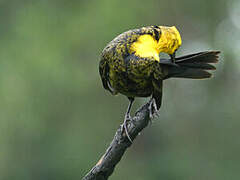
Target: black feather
x,y
193,65
206,57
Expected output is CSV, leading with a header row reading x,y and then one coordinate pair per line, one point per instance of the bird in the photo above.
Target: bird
x,y
130,64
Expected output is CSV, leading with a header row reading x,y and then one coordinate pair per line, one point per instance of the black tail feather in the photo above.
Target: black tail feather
x,y
202,57
194,65
199,66
189,73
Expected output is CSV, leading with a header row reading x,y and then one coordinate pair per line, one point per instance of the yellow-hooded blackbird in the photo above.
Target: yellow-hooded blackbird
x,y
130,64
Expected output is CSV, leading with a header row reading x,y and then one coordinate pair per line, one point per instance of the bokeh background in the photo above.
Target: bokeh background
x,y
56,120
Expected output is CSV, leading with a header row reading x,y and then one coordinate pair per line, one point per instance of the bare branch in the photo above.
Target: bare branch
x,y
105,166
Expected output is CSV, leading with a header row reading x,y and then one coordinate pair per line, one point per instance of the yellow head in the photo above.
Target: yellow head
x,y
156,39
170,40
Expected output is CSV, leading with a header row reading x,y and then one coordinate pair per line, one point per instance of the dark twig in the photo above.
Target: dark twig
x,y
105,166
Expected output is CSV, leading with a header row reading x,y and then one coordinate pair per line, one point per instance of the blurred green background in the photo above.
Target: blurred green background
x,y
56,120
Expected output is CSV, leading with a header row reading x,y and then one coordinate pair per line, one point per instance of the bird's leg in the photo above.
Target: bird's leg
x,y
173,57
128,117
152,109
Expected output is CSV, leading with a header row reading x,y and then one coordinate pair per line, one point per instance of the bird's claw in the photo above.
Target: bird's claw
x,y
124,126
153,111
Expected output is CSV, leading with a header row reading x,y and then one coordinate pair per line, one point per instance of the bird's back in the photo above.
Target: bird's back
x,y
128,73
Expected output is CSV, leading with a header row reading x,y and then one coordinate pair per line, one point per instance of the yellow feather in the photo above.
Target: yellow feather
x,y
146,46
170,40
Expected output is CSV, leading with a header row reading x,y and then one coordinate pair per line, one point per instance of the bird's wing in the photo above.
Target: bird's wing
x,y
104,74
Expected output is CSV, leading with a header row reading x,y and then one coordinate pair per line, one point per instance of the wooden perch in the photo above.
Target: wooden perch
x,y
105,166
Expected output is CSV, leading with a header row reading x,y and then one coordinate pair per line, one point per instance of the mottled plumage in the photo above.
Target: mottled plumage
x,y
125,72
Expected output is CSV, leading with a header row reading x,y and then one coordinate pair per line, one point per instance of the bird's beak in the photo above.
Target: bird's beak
x,y
173,57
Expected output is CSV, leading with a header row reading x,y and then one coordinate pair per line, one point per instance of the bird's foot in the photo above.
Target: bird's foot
x,y
124,126
153,111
